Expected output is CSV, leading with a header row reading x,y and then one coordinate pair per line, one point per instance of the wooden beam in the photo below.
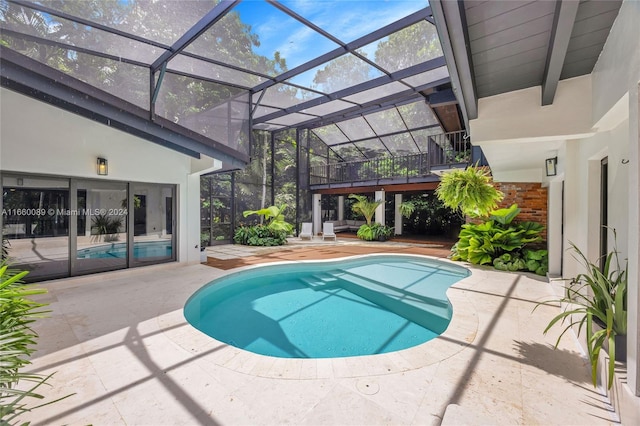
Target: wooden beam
x,y
561,30
405,187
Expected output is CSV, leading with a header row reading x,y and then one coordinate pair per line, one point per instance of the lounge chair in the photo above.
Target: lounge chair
x,y
306,231
327,231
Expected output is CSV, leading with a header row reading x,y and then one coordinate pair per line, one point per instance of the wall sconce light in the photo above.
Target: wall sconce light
x,y
551,164
103,167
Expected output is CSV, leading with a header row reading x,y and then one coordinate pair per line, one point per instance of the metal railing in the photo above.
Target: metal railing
x,y
443,151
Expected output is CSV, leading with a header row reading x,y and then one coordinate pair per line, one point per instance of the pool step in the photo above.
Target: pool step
x,y
429,312
319,281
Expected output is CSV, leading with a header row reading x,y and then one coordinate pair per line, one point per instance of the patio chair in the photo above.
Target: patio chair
x,y
306,231
327,231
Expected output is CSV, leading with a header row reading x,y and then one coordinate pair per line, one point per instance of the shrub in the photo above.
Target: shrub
x,y
374,232
260,235
275,218
500,242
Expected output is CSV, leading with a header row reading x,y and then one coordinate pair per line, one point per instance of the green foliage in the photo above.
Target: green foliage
x,y
596,296
17,342
275,218
259,235
500,242
430,216
407,208
365,207
103,224
375,232
469,191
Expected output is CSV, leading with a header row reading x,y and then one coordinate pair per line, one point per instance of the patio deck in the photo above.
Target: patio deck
x,y
120,342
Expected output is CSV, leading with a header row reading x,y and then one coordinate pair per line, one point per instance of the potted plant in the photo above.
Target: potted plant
x,y
384,232
102,224
470,191
597,300
407,208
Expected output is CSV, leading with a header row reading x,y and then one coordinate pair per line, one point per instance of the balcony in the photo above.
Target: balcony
x,y
444,151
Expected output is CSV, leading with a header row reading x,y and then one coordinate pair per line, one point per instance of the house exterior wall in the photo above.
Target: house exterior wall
x,y
39,138
592,117
616,79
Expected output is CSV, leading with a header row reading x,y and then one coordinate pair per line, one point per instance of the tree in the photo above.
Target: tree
x,y
410,46
345,71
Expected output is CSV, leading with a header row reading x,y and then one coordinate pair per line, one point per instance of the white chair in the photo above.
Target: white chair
x,y
306,231
327,231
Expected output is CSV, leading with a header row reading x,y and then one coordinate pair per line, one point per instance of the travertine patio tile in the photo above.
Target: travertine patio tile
x,y
123,345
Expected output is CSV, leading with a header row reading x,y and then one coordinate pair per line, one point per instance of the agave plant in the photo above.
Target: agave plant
x,y
596,296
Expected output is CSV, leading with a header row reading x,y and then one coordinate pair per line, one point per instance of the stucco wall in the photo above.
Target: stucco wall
x,y
616,79
39,138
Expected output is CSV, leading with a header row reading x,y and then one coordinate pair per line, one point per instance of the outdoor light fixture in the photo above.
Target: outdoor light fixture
x,y
103,167
551,164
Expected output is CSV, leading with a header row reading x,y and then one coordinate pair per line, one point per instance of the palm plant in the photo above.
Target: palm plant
x,y
364,206
469,191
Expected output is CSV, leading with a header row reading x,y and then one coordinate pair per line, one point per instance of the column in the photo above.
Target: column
x,y
316,213
398,216
379,216
554,227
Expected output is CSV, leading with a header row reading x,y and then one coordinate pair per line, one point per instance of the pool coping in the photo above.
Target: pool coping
x,y
460,333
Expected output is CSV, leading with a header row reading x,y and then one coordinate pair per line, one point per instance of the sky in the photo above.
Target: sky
x,y
345,19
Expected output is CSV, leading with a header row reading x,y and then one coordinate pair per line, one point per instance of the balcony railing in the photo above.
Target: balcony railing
x,y
444,151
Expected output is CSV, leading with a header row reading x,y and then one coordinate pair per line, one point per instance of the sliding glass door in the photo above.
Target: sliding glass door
x,y
100,225
152,223
60,227
35,225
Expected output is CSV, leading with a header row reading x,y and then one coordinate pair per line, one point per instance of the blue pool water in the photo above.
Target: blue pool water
x,y
119,250
342,308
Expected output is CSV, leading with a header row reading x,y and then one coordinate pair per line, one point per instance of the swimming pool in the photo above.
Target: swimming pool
x,y
119,250
349,307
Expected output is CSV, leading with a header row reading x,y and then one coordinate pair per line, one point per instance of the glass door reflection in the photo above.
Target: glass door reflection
x,y
101,220
152,222
35,225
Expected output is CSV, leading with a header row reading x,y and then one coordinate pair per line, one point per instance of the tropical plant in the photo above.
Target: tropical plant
x,y
365,207
259,235
470,191
275,218
407,208
500,241
103,224
17,341
596,296
430,216
375,232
